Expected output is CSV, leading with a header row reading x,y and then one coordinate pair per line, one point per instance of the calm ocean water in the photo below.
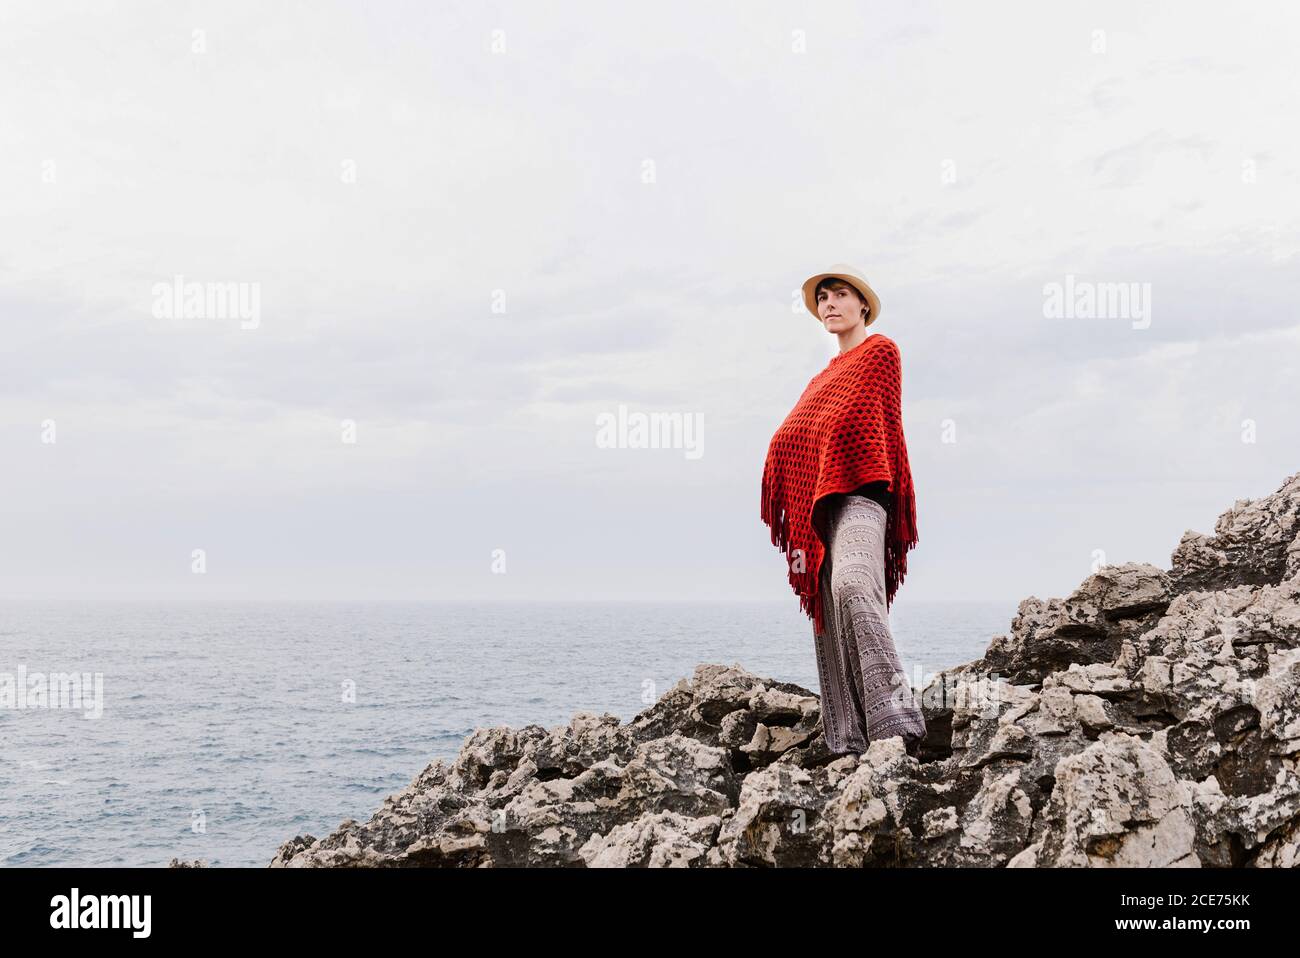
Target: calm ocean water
x,y
229,727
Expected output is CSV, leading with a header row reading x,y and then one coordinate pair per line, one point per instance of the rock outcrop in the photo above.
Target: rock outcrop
x,y
1151,718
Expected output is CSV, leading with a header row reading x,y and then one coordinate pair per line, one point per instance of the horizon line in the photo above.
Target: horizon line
x,y
461,599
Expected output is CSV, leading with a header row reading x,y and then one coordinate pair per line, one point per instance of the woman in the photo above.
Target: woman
x,y
837,494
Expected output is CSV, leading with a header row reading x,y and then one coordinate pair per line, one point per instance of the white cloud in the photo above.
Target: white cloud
x,y
517,180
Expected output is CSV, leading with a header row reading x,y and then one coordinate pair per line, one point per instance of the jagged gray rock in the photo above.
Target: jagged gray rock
x,y
1254,544
1150,718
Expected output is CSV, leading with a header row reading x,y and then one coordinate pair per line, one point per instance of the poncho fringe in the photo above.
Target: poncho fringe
x,y
846,430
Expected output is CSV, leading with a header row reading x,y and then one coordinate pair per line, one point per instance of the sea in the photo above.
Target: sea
x,y
218,730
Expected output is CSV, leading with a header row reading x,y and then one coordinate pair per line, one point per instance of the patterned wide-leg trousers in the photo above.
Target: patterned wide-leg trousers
x,y
864,693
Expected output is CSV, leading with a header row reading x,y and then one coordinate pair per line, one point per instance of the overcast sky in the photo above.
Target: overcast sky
x,y
475,228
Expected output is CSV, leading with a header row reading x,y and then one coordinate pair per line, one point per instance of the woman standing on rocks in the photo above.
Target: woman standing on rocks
x,y
837,494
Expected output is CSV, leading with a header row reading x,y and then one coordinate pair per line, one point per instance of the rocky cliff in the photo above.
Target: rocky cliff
x,y
1151,718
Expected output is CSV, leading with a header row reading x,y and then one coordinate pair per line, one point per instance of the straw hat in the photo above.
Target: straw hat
x,y
850,275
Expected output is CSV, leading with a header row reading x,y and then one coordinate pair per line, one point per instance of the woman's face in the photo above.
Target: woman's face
x,y
840,307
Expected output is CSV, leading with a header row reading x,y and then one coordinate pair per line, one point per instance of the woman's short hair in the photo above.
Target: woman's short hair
x,y
830,282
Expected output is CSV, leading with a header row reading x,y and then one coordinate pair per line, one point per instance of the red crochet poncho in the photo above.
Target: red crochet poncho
x,y
846,430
